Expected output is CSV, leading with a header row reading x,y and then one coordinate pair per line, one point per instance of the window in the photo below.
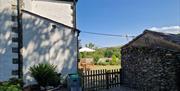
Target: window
x,y
15,29
14,72
15,50
14,39
13,18
15,61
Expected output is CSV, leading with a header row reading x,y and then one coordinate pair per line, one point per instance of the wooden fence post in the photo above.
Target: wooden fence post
x,y
100,79
121,76
107,80
82,80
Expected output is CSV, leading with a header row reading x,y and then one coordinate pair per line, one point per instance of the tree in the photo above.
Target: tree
x,y
108,53
90,45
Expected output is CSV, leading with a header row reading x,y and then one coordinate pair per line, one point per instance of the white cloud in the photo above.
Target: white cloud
x,y
170,29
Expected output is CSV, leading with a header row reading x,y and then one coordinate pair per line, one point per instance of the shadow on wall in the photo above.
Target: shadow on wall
x,y
44,41
6,45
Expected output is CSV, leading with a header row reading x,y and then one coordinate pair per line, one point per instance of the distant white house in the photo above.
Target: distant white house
x,y
85,49
48,34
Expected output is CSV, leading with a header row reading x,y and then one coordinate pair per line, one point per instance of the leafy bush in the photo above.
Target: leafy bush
x,y
96,59
103,63
108,53
11,85
100,63
114,60
82,55
45,74
108,60
15,81
118,62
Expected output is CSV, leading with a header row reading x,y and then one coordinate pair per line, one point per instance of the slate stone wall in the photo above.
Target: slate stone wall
x,y
149,69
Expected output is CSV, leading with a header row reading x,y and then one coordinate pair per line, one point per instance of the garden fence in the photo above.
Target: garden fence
x,y
94,80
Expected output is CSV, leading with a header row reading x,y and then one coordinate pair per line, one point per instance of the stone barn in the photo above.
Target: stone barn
x,y
151,62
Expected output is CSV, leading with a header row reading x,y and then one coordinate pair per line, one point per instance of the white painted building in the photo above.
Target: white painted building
x,y
7,67
48,34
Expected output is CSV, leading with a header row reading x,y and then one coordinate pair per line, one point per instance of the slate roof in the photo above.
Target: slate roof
x,y
174,38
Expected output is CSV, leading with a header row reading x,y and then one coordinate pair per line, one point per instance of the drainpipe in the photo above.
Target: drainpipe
x,y
74,16
75,27
19,21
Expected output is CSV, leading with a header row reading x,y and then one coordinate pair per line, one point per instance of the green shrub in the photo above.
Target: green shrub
x,y
11,85
114,60
45,74
103,63
118,62
96,59
16,81
82,55
108,53
108,60
100,63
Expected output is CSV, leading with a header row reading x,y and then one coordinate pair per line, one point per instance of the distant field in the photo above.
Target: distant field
x,y
108,67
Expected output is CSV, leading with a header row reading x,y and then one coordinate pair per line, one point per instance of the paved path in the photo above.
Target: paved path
x,y
121,88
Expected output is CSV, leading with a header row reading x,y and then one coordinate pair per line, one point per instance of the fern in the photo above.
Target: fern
x,y
45,74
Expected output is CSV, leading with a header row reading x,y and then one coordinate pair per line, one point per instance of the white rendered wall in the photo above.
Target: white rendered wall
x,y
6,55
42,43
59,11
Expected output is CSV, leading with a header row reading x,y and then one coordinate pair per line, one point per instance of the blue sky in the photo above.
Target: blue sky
x,y
123,17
